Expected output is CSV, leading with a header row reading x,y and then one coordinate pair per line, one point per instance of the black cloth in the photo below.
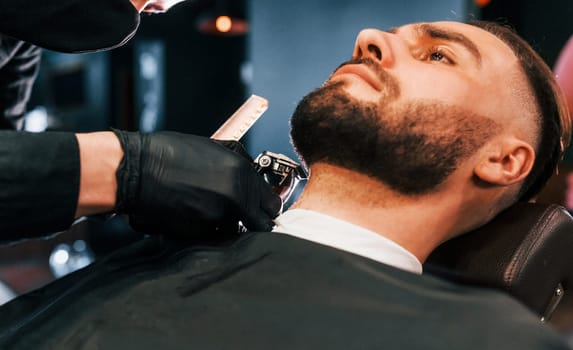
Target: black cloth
x,y
19,64
69,25
263,291
39,182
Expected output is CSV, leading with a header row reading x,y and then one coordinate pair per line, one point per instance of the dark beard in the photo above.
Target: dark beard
x,y
411,148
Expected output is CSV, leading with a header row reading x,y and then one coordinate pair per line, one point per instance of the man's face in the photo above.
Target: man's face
x,y
411,105
449,62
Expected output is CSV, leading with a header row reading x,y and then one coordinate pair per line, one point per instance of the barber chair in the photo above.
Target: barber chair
x,y
527,251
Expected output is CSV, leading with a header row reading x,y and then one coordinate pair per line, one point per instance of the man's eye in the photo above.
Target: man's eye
x,y
438,56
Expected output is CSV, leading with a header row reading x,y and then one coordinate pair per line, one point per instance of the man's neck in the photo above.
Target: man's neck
x,y
419,223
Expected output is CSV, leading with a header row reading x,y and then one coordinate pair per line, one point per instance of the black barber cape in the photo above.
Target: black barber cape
x,y
69,25
264,291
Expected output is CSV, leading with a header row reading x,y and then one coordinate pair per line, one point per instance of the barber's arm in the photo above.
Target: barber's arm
x,y
39,182
164,181
76,25
70,25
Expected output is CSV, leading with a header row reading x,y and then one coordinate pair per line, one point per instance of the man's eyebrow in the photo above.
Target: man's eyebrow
x,y
435,32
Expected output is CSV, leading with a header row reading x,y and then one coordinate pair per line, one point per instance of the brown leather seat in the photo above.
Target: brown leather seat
x,y
527,250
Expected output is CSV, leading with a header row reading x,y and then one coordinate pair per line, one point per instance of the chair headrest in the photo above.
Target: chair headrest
x,y
527,250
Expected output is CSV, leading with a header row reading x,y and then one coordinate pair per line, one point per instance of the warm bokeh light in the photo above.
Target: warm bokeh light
x,y
564,73
482,3
223,24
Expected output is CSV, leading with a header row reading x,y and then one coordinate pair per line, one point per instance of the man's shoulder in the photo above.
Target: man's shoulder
x,y
459,314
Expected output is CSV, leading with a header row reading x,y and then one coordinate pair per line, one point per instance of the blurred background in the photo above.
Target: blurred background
x,y
189,69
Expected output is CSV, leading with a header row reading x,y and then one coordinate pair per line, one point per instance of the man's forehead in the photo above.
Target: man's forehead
x,y
482,39
460,27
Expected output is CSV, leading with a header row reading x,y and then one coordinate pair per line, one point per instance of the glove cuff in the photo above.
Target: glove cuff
x,y
128,172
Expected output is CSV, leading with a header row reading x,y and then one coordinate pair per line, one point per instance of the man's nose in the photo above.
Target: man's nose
x,y
373,43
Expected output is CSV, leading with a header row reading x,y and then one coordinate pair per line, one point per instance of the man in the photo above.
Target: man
x,y
428,132
50,179
448,146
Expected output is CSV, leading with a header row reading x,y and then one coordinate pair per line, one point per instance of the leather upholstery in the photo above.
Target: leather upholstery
x,y
526,250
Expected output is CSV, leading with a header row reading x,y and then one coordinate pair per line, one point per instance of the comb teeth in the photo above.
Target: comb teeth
x,y
241,121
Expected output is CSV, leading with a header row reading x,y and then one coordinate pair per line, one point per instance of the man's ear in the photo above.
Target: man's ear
x,y
506,162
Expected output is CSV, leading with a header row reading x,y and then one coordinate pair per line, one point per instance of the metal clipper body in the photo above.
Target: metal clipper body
x,y
281,172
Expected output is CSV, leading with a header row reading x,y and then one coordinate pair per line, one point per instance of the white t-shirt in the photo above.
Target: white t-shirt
x,y
336,233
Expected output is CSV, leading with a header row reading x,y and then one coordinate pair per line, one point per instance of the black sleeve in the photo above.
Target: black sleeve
x,y
69,25
39,183
17,77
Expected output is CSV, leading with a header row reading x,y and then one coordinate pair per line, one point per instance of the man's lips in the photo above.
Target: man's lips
x,y
363,72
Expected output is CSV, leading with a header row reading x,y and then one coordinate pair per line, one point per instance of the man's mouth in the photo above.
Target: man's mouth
x,y
363,72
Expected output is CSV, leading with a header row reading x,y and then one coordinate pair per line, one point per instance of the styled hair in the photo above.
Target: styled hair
x,y
553,115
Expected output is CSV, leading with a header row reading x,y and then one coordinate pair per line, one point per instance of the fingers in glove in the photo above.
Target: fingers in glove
x,y
236,147
260,217
271,202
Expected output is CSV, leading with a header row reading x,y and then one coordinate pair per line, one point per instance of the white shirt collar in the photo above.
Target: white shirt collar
x,y
336,233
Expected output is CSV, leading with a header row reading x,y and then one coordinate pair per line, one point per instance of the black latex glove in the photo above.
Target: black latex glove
x,y
167,182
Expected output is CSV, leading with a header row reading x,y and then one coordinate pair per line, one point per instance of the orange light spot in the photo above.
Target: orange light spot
x,y
482,3
223,24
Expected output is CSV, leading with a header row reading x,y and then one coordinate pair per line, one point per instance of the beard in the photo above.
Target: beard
x,y
410,147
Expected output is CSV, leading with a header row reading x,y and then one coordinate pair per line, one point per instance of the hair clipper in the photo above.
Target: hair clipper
x,y
281,172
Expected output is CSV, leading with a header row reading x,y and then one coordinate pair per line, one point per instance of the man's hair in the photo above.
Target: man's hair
x,y
553,115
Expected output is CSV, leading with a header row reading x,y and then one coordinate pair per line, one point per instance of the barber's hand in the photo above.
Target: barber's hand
x,y
168,181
